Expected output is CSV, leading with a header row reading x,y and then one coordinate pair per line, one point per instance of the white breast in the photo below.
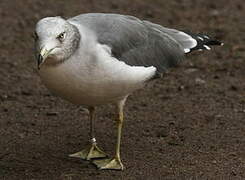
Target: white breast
x,y
93,80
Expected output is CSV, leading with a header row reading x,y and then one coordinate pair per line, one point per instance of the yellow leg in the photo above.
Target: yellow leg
x,y
93,151
114,163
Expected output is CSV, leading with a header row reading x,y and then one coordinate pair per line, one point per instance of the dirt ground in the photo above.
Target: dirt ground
x,y
188,125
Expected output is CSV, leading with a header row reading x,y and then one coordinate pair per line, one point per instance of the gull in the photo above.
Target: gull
x,y
96,59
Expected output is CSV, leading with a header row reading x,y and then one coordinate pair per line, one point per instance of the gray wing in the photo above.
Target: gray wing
x,y
136,42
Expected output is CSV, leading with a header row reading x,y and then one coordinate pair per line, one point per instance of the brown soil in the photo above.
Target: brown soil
x,y
188,125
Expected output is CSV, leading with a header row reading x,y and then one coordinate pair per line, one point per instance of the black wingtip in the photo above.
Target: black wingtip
x,y
203,41
214,43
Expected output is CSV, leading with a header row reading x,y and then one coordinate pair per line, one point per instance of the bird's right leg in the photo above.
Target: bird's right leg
x,y
93,151
114,163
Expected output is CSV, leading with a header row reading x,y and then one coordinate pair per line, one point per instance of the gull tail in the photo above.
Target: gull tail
x,y
203,42
188,40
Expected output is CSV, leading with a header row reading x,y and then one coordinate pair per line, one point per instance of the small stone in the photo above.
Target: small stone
x,y
5,96
214,13
191,70
219,116
180,88
214,162
200,81
21,135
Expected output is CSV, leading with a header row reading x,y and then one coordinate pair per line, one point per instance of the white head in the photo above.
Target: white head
x,y
56,40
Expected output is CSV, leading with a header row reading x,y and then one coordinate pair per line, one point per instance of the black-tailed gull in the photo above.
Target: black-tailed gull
x,y
96,59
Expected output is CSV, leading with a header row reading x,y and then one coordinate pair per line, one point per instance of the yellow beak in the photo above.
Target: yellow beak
x,y
44,53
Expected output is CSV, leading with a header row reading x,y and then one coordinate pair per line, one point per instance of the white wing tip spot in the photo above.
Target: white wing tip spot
x,y
200,38
206,37
207,47
187,50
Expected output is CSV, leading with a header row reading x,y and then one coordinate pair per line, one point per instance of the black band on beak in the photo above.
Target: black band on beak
x,y
39,61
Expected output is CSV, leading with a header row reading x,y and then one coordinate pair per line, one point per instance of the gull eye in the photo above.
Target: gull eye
x,y
61,36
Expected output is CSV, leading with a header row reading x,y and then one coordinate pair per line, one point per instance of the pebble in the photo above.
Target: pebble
x,y
191,70
200,81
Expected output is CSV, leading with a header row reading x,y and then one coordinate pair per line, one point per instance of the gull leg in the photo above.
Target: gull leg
x,y
92,151
114,163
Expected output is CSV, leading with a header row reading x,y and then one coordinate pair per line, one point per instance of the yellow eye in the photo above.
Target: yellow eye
x,y
61,36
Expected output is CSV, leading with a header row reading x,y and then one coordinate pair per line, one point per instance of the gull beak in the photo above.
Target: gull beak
x,y
44,53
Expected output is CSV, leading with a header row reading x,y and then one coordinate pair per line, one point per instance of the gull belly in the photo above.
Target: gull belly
x,y
91,81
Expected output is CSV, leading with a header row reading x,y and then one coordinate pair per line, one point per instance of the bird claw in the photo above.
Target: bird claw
x,y
93,152
113,164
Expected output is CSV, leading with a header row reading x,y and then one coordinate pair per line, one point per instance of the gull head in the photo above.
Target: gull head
x,y
55,40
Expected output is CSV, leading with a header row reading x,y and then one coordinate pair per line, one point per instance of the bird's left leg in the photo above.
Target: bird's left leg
x,y
92,151
114,163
